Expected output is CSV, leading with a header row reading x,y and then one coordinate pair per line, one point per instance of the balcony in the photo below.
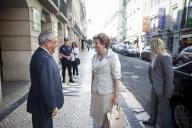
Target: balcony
x,y
58,7
78,31
62,15
52,5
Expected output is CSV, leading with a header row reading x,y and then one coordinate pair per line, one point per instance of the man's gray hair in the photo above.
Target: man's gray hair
x,y
44,36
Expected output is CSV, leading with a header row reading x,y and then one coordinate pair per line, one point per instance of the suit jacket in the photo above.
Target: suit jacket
x,y
161,75
104,74
46,88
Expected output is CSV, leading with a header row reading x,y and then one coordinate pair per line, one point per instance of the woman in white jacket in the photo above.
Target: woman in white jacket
x,y
74,58
106,80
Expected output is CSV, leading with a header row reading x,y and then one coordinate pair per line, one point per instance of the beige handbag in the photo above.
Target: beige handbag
x,y
116,118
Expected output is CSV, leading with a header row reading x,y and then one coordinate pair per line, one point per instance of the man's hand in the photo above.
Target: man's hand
x,y
68,57
55,112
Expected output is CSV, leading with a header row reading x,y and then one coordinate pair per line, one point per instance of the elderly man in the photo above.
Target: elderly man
x,y
45,95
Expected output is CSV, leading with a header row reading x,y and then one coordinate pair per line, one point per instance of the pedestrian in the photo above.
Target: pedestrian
x,y
105,80
88,47
45,95
181,46
75,59
65,55
161,79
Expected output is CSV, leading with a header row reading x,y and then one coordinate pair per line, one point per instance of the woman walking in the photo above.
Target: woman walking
x,y
105,80
161,79
75,59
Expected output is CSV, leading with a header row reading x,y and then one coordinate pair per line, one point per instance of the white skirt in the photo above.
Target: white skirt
x,y
100,105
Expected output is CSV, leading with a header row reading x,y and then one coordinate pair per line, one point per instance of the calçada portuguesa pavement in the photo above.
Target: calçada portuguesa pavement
x,y
75,112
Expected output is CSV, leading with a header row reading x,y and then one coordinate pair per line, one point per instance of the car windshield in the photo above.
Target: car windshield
x,y
188,49
147,48
129,47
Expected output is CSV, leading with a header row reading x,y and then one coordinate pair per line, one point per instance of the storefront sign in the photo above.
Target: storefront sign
x,y
145,23
161,18
36,20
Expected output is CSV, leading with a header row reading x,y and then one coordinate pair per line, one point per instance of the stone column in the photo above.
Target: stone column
x,y
15,41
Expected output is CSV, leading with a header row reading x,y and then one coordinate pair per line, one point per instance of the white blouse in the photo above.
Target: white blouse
x,y
105,71
75,54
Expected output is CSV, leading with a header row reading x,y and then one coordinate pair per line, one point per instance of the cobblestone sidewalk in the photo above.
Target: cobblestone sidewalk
x,y
75,113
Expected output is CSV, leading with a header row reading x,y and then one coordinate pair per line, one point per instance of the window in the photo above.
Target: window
x,y
190,49
129,47
147,48
187,49
154,3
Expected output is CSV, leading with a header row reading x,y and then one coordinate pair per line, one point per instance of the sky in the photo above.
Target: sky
x,y
98,11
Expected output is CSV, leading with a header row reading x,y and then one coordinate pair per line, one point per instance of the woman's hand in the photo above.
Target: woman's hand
x,y
115,99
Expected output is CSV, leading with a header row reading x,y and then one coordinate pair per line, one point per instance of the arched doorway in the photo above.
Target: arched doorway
x,y
15,51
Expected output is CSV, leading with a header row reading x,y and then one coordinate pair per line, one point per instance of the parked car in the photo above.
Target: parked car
x,y
174,57
130,50
112,46
181,100
119,47
185,55
127,42
146,53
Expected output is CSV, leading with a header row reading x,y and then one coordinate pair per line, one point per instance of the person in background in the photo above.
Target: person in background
x,y
106,77
65,55
74,59
161,79
182,45
88,47
45,94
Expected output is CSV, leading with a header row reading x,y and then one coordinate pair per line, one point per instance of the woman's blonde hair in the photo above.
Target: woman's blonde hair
x,y
157,46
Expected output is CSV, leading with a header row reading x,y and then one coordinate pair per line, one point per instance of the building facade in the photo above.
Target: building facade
x,y
78,21
165,21
147,19
22,21
136,11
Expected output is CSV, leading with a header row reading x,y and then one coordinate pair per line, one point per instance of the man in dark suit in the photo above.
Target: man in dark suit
x,y
45,95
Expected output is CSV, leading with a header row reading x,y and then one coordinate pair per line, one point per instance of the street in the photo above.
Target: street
x,y
75,112
135,78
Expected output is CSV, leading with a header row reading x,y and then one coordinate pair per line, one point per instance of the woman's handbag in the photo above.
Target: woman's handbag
x,y
77,61
116,118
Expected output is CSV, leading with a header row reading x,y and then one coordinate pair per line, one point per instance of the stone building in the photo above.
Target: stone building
x,y
156,18
21,21
136,11
165,21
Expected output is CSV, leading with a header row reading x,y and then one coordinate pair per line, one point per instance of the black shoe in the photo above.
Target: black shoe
x,y
148,123
77,74
71,81
63,81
